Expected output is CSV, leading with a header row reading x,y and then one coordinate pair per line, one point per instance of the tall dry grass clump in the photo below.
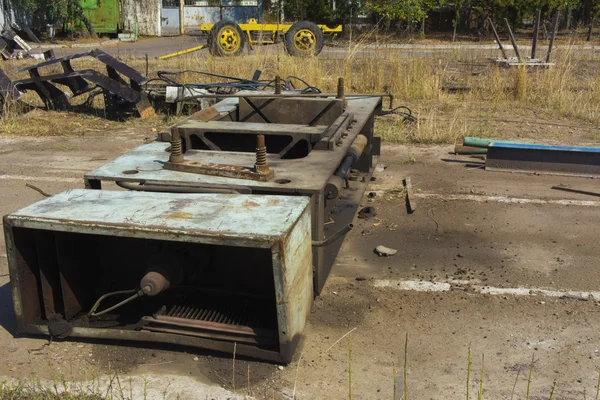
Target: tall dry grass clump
x,y
521,83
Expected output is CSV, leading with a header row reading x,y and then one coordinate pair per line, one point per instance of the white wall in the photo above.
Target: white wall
x,y
147,13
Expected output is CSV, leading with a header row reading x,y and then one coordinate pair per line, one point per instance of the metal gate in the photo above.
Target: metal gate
x,y
170,18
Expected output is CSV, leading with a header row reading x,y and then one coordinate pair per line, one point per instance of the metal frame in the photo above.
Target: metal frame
x,y
519,60
543,159
304,176
120,97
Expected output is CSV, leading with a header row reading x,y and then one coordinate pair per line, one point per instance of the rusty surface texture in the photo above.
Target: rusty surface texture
x,y
195,217
303,158
224,170
51,245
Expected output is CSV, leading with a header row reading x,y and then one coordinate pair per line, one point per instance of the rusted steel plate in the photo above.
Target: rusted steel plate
x,y
290,110
211,218
229,171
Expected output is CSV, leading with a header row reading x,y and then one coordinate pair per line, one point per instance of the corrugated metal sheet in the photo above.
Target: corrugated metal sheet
x,y
147,14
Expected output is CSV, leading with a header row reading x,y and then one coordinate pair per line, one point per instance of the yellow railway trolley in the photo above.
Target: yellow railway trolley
x,y
227,38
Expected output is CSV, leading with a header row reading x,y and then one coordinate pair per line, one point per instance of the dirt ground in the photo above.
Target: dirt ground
x,y
472,229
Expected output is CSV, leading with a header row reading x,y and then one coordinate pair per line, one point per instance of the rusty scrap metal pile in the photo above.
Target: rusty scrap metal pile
x,y
121,87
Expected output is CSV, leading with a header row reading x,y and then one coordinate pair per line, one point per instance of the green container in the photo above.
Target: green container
x,y
104,15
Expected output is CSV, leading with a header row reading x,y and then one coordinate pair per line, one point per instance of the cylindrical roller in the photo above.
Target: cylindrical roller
x,y
335,183
164,271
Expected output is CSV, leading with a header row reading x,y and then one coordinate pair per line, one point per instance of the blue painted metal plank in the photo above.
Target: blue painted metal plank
x,y
530,146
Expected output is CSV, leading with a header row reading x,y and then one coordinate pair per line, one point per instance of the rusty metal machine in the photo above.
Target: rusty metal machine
x,y
228,228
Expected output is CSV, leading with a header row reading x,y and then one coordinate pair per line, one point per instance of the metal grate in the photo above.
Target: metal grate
x,y
224,315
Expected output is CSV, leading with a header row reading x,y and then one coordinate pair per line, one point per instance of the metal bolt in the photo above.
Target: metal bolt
x,y
261,155
340,88
176,148
277,85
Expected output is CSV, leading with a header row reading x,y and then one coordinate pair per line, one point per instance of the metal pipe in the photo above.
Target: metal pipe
x,y
460,149
287,94
175,189
333,238
335,183
498,39
536,29
481,142
513,41
554,29
571,190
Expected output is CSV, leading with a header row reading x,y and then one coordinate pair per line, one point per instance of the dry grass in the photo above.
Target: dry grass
x,y
567,94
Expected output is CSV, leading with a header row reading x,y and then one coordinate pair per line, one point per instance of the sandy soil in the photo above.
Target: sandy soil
x,y
477,242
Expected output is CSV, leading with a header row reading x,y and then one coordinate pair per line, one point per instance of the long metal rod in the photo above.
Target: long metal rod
x,y
568,189
513,41
536,29
554,29
498,39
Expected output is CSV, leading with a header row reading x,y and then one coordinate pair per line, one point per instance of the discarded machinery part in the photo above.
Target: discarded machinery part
x,y
261,164
513,41
504,55
579,191
216,169
411,201
536,29
135,294
120,97
242,279
277,85
228,139
165,271
145,187
340,88
8,91
333,238
335,183
176,147
543,159
553,36
13,46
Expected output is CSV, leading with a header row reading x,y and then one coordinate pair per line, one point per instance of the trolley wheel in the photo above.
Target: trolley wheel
x,y
226,39
304,38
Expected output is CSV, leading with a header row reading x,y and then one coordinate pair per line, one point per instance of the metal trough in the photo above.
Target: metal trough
x,y
206,270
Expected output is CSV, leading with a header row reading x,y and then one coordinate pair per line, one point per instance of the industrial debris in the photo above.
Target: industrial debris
x,y
14,46
383,251
411,201
534,158
578,191
519,60
230,255
121,98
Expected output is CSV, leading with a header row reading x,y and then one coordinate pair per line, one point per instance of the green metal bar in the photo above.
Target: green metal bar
x,y
481,142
